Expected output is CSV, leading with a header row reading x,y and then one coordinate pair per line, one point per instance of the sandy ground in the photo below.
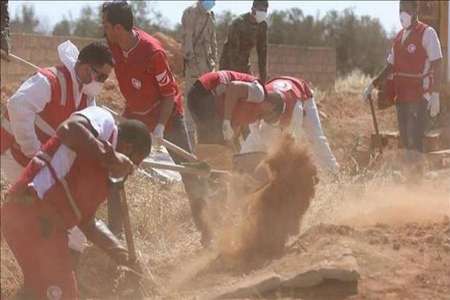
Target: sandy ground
x,y
398,232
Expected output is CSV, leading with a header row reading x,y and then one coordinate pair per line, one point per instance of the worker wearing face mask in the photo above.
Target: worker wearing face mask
x,y
414,63
199,46
246,32
44,101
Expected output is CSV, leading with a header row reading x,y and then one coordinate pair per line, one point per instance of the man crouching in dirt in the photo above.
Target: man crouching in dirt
x,y
223,103
61,187
300,115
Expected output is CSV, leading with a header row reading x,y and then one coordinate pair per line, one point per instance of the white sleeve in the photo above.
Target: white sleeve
x,y
30,99
92,102
390,58
431,44
101,120
296,124
316,136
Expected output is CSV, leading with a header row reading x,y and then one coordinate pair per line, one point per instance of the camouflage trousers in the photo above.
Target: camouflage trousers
x,y
190,79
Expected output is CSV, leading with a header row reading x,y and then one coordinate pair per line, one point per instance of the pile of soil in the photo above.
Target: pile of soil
x,y
174,52
272,213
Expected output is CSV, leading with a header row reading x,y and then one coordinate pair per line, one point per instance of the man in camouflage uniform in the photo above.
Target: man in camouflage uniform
x,y
246,32
199,48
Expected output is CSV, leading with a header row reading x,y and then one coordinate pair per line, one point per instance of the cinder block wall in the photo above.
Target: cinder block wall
x,y
40,50
316,64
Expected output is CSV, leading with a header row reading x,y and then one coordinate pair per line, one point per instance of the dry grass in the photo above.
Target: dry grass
x,y
165,235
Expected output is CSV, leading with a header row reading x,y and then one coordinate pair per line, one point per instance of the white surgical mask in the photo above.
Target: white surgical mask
x,y
260,16
93,88
405,19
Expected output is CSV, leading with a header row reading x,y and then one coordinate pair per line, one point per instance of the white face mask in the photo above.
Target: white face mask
x,y
93,88
405,19
260,16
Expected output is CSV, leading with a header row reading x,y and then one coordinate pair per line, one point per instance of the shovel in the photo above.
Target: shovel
x,y
199,169
378,140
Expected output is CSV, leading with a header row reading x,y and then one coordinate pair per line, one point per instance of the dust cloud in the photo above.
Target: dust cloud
x,y
394,205
272,213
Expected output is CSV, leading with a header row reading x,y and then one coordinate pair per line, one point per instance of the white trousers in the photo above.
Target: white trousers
x,y
305,122
12,171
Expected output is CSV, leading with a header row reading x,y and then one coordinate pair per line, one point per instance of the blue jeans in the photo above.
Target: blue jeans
x,y
411,123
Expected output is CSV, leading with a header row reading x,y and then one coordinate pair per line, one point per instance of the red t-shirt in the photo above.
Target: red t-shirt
x,y
245,112
292,90
212,80
144,78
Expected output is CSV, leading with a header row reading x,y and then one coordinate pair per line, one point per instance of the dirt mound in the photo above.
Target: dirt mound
x,y
409,261
272,213
173,50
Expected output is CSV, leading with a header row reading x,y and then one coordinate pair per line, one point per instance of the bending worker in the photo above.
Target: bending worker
x,y
223,102
62,187
300,116
47,99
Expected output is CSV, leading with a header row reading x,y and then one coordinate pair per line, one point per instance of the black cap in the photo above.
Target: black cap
x,y
261,3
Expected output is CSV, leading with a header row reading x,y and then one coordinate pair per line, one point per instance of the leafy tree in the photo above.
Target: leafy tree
x,y
223,21
62,28
360,42
141,12
88,24
27,22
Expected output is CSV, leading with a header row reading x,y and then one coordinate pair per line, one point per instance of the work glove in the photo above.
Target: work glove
x,y
433,103
367,93
227,130
157,136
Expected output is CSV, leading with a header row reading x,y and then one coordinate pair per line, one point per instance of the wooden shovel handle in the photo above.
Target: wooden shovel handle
x,y
127,225
178,150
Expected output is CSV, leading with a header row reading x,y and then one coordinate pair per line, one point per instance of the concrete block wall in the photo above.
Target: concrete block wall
x,y
315,64
39,50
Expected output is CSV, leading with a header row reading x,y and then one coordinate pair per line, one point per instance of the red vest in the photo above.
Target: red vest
x,y
244,113
409,63
138,83
61,106
293,90
78,195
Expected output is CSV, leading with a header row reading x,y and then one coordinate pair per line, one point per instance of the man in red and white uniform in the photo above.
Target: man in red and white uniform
x,y
151,94
300,117
223,103
62,187
415,64
45,100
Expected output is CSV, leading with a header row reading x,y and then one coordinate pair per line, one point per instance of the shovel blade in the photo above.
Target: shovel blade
x,y
247,162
